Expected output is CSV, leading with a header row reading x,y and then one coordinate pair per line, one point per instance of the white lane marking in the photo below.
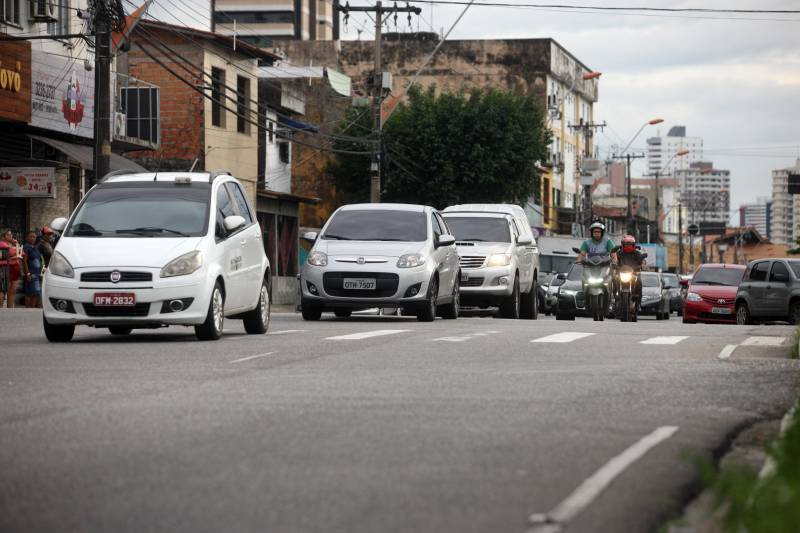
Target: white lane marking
x,y
286,331
567,336
591,488
249,357
367,334
466,337
665,340
727,351
764,341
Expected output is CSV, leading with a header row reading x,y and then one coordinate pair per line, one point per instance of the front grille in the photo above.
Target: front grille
x,y
472,261
714,316
472,282
105,277
716,301
385,284
142,309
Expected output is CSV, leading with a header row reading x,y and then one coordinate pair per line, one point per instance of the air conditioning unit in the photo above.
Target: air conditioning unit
x,y
120,125
43,10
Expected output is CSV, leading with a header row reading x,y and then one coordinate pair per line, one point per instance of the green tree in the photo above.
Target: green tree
x,y
439,150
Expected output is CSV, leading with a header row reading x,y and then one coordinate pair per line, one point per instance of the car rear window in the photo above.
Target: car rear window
x,y
575,272
649,280
377,225
481,229
670,280
730,277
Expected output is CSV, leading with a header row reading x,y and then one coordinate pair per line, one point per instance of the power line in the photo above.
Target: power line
x,y
616,8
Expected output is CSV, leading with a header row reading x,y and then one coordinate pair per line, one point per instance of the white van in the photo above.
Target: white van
x,y
503,273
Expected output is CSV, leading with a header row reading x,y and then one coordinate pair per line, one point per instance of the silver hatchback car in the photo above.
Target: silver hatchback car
x,y
382,255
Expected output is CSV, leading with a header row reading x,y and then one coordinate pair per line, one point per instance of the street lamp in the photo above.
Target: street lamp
x,y
591,75
628,157
679,153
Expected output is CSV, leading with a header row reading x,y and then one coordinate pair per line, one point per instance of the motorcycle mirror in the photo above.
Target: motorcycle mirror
x,y
644,255
561,276
615,249
576,250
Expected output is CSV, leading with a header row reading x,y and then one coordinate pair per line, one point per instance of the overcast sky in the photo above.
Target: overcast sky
x,y
736,83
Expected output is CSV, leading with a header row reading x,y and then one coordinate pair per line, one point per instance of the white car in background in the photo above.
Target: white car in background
x,y
150,250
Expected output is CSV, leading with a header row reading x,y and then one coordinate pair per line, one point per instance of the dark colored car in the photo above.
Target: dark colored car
x,y
571,301
770,291
673,287
711,295
655,297
550,298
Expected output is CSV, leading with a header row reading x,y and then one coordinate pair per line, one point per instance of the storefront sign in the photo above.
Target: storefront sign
x,y
63,94
27,182
15,81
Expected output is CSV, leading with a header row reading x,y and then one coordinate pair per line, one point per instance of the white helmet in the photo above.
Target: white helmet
x,y
597,225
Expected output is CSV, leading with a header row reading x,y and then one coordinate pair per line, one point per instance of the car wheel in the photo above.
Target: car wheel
x,y
211,329
794,313
530,303
687,321
451,310
310,311
342,312
58,332
511,304
256,321
119,330
743,317
428,313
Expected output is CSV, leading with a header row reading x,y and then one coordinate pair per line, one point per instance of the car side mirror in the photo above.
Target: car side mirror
x,y
445,240
233,222
524,240
58,224
310,236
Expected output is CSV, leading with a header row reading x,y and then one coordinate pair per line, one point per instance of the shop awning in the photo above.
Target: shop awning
x,y
297,125
84,155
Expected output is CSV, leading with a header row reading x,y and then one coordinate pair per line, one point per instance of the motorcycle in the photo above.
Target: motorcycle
x,y
627,303
597,280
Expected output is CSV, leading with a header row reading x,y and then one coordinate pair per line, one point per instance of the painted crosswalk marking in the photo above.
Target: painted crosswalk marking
x,y
764,341
367,334
466,337
567,336
665,340
286,331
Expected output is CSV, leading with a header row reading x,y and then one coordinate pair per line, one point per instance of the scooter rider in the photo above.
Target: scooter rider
x,y
599,244
631,256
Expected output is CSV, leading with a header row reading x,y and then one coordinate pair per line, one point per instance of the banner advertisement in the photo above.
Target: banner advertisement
x,y
62,94
27,182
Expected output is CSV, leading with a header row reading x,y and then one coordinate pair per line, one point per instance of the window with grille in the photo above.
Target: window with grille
x,y
242,104
141,108
217,97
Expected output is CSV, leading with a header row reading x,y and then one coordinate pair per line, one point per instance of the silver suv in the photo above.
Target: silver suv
x,y
382,255
498,266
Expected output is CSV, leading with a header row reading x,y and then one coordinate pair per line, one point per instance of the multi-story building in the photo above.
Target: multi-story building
x,y
661,151
260,22
705,192
785,206
757,215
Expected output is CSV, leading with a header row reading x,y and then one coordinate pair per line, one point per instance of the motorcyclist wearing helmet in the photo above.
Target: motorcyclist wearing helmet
x,y
598,245
631,256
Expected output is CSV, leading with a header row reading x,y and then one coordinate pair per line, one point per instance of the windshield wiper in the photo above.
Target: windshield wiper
x,y
86,233
337,237
149,229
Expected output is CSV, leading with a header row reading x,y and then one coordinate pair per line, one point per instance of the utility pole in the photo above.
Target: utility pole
x,y
585,207
377,84
632,227
102,88
680,238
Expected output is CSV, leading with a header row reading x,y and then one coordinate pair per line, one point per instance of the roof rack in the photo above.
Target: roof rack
x,y
214,174
119,172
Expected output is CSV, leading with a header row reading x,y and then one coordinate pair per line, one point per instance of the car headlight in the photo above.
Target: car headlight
x,y
499,260
183,265
59,266
625,277
694,297
595,281
319,259
410,261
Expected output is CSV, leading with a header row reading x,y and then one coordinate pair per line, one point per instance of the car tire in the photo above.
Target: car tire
x,y
794,313
211,328
530,303
428,313
510,307
451,310
256,321
58,332
119,330
687,321
310,311
342,312
743,316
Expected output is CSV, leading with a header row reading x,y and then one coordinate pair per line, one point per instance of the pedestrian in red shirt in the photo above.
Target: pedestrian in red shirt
x,y
10,262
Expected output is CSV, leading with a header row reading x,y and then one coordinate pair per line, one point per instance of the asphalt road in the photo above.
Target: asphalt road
x,y
375,424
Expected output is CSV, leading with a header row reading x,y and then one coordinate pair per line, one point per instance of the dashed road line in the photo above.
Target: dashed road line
x,y
592,487
727,351
250,357
286,331
665,340
764,341
465,337
367,334
567,336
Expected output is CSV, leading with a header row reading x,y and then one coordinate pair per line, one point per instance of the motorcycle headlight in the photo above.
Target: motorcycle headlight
x,y
319,259
59,266
410,261
625,277
694,297
595,281
499,260
183,265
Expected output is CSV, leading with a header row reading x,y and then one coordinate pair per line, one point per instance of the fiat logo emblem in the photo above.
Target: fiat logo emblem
x,y
361,260
115,276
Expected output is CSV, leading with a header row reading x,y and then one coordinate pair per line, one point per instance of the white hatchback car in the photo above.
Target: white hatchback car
x,y
150,250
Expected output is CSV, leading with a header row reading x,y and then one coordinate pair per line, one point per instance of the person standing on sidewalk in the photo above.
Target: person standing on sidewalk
x,y
9,251
33,271
45,245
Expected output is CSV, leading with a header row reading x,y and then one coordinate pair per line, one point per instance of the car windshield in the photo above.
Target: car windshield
x,y
482,229
137,209
555,263
730,277
377,225
649,280
575,272
795,266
